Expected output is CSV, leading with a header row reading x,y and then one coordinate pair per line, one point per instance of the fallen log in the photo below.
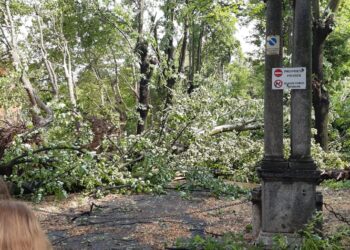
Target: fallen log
x,y
335,174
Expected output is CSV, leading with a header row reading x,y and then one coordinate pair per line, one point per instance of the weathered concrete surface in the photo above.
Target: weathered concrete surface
x,y
273,99
301,99
267,239
288,199
256,211
287,207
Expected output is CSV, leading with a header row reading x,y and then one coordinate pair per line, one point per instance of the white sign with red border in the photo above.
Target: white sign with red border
x,y
289,78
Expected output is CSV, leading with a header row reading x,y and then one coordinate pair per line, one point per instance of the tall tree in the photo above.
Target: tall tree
x,y
41,113
170,49
322,27
184,43
145,71
45,56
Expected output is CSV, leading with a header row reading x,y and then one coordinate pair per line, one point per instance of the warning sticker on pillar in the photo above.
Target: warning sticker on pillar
x,y
289,78
273,45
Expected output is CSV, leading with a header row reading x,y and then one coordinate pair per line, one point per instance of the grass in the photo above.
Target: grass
x,y
336,185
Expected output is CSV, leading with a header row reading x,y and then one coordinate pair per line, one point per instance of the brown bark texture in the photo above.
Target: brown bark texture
x,y
322,27
146,73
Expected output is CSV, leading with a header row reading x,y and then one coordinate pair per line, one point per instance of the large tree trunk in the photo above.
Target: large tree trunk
x,y
192,60
37,105
182,56
48,64
322,27
199,49
196,55
67,66
320,96
119,103
146,73
170,51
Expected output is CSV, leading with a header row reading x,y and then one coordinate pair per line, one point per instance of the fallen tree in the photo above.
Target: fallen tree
x,y
7,168
335,174
238,128
253,124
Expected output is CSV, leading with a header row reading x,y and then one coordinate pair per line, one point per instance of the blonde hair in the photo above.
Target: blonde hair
x,y
4,192
20,229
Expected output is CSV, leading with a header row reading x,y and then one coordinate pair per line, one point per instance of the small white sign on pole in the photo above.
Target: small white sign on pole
x,y
273,45
289,78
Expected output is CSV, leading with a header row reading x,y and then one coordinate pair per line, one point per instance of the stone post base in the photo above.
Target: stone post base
x,y
286,201
267,240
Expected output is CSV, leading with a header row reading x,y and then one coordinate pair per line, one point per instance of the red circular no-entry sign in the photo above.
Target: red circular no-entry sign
x,y
278,84
278,72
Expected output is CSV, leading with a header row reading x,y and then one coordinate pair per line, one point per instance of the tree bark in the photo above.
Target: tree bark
x,y
67,66
37,104
199,49
196,54
236,127
119,104
183,48
192,60
48,64
170,51
320,96
322,27
146,73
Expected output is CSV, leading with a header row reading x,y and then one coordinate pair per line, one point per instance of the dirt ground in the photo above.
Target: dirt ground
x,y
154,222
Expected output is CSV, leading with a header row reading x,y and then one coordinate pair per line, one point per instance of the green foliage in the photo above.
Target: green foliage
x,y
160,152
227,241
202,178
337,48
181,144
179,140
233,153
337,185
309,239
11,96
333,159
341,105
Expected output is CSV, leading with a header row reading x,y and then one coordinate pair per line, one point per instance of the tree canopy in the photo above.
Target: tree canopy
x,y
132,93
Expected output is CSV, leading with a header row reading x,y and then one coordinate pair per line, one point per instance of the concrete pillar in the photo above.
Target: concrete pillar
x,y
301,99
256,210
273,100
300,160
273,124
288,195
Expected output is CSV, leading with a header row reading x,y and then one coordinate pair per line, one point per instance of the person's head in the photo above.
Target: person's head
x,y
4,192
19,228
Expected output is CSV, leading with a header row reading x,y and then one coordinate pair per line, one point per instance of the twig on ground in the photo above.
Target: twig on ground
x,y
157,218
88,213
337,215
